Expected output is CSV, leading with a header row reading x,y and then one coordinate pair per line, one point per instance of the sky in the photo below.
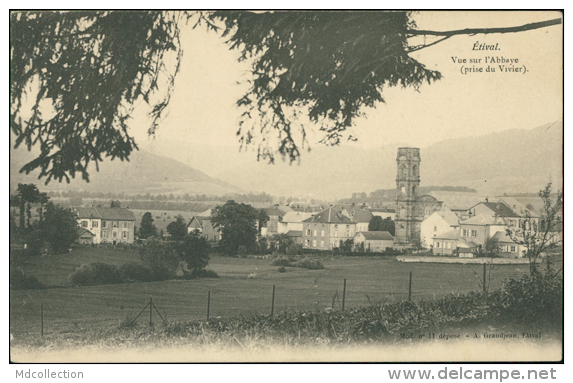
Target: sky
x,y
203,111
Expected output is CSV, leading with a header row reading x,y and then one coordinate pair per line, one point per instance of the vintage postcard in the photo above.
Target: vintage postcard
x,y
286,186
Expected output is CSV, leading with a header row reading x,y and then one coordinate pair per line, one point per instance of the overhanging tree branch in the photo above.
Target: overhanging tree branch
x,y
475,31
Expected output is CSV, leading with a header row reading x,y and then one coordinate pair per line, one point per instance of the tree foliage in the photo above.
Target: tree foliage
x,y
82,72
539,234
328,65
75,77
147,228
379,224
161,257
27,195
177,229
59,228
238,226
194,253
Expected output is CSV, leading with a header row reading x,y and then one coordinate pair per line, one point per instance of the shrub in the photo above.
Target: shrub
x,y
281,261
533,299
194,253
282,269
135,272
311,264
21,281
95,274
161,257
206,273
294,249
242,251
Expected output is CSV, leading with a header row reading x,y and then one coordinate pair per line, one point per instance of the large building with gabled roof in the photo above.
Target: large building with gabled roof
x,y
107,224
325,230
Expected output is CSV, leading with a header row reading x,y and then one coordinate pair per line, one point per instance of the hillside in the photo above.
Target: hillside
x,y
512,161
145,172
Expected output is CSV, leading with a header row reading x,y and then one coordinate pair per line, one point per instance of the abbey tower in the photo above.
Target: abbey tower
x,y
408,217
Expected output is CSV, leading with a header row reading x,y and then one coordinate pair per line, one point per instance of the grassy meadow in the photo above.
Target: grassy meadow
x,y
244,287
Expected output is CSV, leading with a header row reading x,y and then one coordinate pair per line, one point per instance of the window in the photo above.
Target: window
x,y
336,226
115,234
347,233
336,233
84,223
315,232
449,245
314,243
437,244
322,233
125,225
474,233
214,237
124,234
114,223
104,234
94,224
464,233
435,228
308,232
104,224
513,249
307,242
347,227
321,243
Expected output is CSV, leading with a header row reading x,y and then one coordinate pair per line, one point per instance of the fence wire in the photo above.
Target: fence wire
x,y
76,309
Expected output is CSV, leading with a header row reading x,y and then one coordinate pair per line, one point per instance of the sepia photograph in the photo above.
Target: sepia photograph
x,y
286,186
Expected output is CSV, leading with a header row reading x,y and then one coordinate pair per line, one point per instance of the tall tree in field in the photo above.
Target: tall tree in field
x,y
177,229
147,228
539,234
27,195
194,253
326,67
59,228
237,224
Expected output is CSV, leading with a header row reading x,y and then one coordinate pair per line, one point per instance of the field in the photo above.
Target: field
x,y
245,287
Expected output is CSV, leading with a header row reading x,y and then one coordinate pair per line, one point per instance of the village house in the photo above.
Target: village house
x,y
275,217
478,228
495,210
293,221
439,222
107,224
204,225
507,247
295,236
325,230
446,243
377,241
458,202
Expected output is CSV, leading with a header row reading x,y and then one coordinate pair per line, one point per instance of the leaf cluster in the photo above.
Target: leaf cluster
x,y
75,78
330,65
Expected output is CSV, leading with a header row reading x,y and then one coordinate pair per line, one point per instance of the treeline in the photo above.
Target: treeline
x,y
389,195
249,197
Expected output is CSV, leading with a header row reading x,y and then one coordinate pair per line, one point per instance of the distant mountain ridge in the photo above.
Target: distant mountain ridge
x,y
144,172
512,161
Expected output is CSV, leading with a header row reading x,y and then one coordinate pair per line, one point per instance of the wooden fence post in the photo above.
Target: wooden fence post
x,y
410,288
208,303
273,302
344,294
150,311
